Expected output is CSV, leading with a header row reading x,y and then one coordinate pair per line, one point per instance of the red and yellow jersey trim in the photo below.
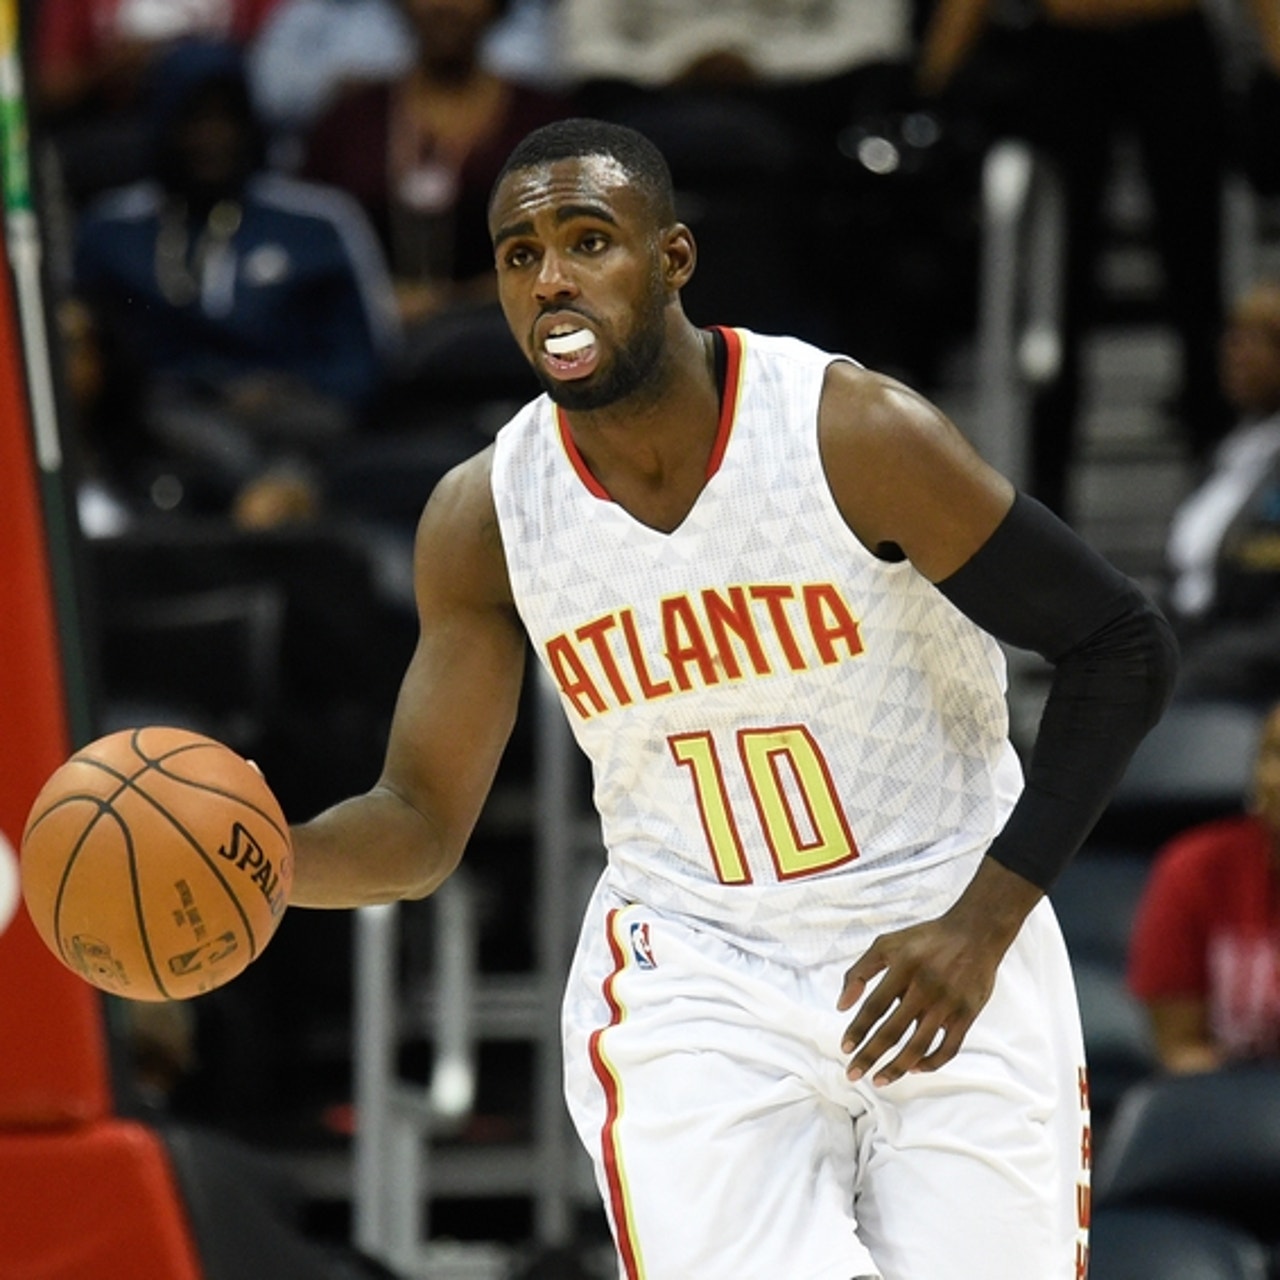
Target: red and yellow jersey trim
x,y
724,427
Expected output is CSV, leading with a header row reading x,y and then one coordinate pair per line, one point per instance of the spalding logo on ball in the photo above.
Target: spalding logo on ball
x,y
156,863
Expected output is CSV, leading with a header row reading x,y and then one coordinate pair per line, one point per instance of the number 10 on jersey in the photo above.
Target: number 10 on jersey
x,y
795,801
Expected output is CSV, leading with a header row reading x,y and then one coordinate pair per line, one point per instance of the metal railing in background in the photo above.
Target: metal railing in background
x,y
399,1165
1019,338
1019,300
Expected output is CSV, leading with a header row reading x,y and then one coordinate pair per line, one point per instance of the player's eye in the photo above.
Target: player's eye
x,y
518,256
593,242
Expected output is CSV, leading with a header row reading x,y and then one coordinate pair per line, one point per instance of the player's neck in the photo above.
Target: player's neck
x,y
679,404
651,453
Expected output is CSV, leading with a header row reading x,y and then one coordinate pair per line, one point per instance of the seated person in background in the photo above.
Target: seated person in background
x,y
751,102
254,312
309,51
90,63
420,154
1223,547
793,55
1205,951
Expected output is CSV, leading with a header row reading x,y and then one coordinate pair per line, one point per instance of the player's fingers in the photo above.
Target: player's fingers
x,y
874,1006
870,1050
952,1039
857,976
913,1053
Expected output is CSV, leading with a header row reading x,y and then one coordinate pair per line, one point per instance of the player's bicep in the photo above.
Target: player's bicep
x,y
459,696
454,714
903,475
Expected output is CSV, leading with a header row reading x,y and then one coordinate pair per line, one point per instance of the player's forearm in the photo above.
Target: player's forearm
x,y
1036,585
1106,695
371,848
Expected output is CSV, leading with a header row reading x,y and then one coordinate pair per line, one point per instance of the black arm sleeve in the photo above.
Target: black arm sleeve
x,y
1036,585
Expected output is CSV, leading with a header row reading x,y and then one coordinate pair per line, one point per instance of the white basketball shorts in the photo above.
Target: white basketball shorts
x,y
708,1085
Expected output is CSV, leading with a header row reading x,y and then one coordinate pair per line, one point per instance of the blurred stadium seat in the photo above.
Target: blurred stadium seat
x,y
1169,1244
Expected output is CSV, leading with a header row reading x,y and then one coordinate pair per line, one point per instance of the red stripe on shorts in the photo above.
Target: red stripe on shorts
x,y
619,1209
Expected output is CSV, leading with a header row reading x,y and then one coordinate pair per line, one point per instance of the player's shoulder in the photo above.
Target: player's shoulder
x,y
523,440
851,392
781,354
458,544
464,494
530,416
877,414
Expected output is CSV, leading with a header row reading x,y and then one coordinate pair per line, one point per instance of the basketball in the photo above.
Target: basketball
x,y
156,863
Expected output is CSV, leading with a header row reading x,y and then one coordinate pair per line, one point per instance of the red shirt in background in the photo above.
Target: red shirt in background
x,y
1208,928
73,38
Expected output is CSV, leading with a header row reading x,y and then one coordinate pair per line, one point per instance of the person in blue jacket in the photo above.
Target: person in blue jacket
x,y
252,311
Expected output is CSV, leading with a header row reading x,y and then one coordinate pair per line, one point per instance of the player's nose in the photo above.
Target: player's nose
x,y
554,278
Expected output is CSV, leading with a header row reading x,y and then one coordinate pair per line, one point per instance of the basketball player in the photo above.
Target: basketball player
x,y
820,1023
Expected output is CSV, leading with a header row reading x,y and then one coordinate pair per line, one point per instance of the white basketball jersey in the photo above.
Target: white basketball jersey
x,y
793,743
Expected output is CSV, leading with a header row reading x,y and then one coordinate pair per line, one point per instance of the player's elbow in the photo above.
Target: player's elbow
x,y
419,853
420,878
1148,647
402,871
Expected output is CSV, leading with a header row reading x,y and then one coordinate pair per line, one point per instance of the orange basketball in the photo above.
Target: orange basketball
x,y
156,863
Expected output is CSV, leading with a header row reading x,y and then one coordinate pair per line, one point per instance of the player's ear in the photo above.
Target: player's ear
x,y
679,256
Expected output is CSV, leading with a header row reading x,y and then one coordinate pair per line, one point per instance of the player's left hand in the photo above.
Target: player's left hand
x,y
935,978
935,983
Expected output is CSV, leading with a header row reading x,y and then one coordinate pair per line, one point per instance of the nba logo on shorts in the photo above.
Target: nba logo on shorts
x,y
640,946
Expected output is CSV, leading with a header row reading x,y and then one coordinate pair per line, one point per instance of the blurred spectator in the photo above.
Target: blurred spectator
x,y
525,45
420,154
161,1039
1250,372
90,63
1252,51
660,44
252,313
749,101
1072,76
111,444
1223,548
1205,951
308,51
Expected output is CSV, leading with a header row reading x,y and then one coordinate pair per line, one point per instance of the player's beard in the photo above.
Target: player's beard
x,y
634,369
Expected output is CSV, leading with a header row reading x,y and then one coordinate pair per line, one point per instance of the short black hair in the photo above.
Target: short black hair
x,y
580,136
